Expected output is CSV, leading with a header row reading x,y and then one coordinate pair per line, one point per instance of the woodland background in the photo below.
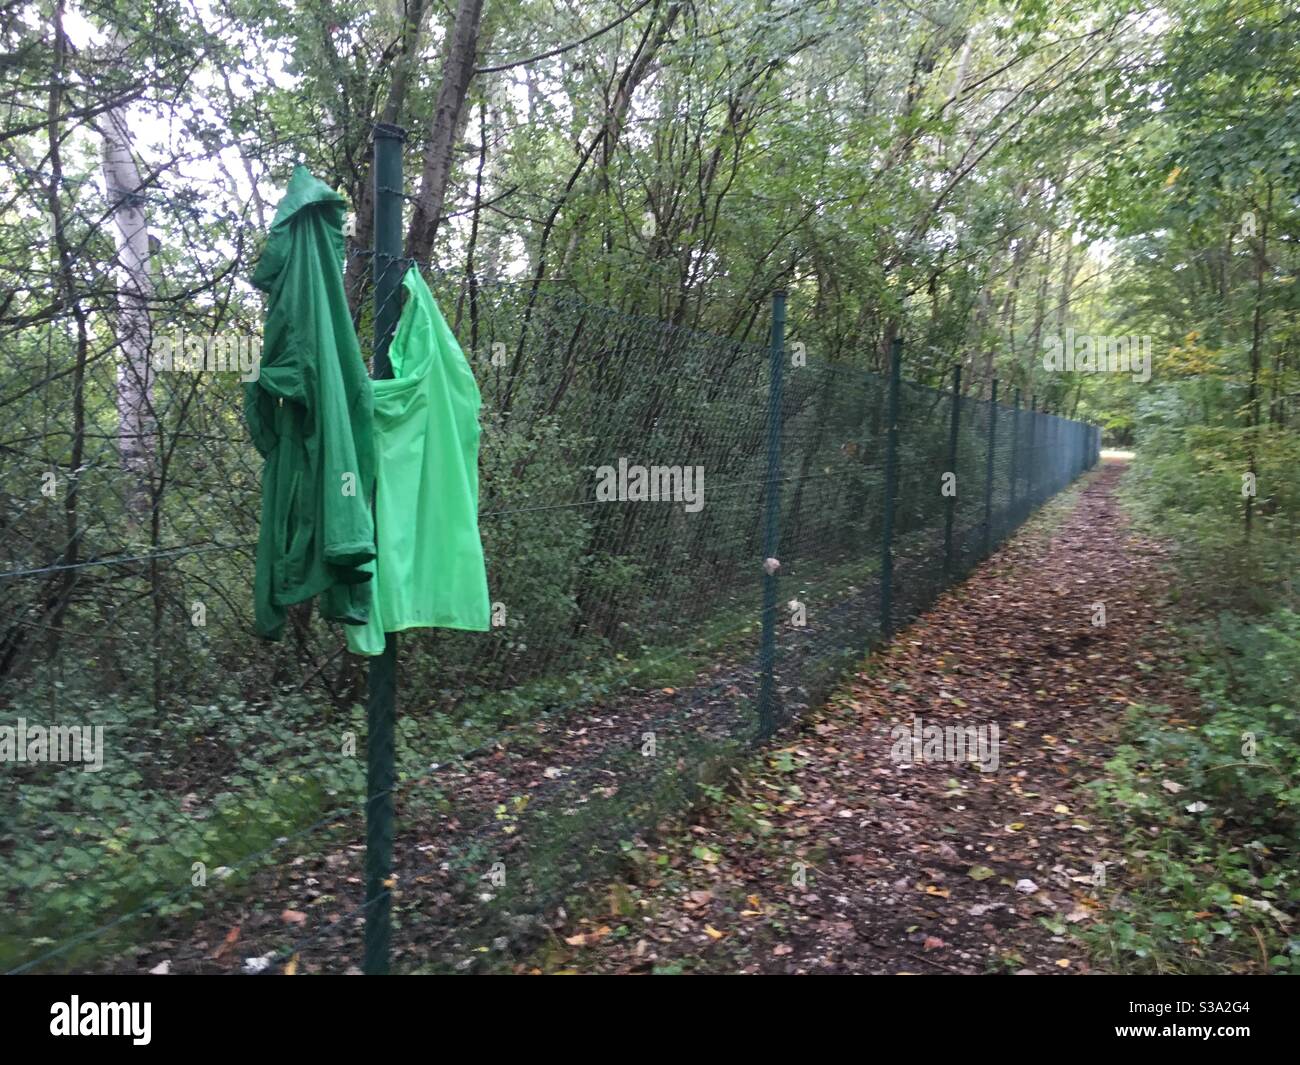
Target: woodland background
x,y
631,180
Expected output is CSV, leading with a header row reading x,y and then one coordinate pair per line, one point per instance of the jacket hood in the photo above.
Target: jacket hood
x,y
305,195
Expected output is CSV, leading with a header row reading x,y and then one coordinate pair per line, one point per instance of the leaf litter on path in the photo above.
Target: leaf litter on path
x,y
864,864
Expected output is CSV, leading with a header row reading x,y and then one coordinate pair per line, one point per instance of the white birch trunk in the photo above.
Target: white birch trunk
x,y
137,423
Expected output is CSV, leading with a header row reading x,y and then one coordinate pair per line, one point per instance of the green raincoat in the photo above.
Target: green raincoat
x,y
310,415
429,571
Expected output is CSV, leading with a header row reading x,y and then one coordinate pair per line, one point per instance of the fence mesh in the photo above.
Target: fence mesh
x,y
225,829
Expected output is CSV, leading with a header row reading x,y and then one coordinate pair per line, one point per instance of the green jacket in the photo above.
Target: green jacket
x,y
429,571
310,415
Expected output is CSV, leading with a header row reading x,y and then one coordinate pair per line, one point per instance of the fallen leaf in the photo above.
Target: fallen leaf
x,y
227,943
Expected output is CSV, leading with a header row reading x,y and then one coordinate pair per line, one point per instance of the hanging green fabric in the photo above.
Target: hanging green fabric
x,y
429,570
310,416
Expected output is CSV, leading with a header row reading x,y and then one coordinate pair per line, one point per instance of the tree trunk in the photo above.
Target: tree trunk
x,y
1256,352
439,152
357,272
137,423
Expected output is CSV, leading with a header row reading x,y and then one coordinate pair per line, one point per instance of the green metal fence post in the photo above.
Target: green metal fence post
x,y
950,505
771,520
1040,472
381,708
988,476
1015,458
1049,455
1062,454
1050,437
1053,455
1063,446
1031,472
1054,450
891,490
1063,450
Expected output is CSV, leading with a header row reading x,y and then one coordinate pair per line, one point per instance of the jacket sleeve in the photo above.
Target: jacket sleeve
x,y
343,407
280,370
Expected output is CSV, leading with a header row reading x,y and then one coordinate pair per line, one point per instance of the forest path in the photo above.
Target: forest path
x,y
830,854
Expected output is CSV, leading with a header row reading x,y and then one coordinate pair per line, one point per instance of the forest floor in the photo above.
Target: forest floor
x,y
828,853
819,852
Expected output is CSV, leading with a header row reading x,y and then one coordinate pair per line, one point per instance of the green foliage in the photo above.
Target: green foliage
x,y
1210,810
823,148
80,844
1187,488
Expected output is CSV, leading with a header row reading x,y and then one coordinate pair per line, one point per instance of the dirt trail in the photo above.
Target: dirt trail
x,y
830,855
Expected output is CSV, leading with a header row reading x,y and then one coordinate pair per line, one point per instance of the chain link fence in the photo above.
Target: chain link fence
x,y
629,660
